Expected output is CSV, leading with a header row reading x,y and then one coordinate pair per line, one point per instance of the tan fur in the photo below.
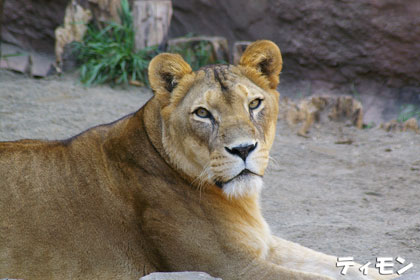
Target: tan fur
x,y
139,195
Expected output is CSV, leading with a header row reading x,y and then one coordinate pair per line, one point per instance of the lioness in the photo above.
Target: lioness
x,y
172,187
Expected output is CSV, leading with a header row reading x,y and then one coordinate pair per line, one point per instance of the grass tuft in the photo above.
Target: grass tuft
x,y
107,55
196,53
407,112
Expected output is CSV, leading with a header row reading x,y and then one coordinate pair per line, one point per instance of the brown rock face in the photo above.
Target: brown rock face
x,y
321,109
31,23
336,41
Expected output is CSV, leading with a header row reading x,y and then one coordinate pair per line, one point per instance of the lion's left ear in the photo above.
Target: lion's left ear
x,y
264,56
165,71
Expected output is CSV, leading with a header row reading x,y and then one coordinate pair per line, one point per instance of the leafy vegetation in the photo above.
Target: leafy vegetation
x,y
196,53
108,55
368,125
407,112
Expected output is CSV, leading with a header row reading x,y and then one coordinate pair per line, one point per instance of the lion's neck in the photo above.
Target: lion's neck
x,y
153,126
242,214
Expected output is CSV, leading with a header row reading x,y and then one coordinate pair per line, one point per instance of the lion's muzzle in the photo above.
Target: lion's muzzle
x,y
242,151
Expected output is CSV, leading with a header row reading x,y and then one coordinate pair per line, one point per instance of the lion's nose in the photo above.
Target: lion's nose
x,y
242,151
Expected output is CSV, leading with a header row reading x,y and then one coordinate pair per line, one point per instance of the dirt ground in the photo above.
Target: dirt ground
x,y
360,200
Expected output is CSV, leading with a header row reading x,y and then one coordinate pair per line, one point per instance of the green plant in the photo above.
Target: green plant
x,y
196,53
368,125
108,55
407,112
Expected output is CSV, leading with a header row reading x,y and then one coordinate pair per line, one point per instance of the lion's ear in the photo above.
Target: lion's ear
x,y
165,71
264,56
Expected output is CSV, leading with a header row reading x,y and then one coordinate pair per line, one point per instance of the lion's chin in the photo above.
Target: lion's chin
x,y
243,186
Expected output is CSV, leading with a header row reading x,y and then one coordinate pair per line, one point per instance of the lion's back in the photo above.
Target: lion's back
x,y
26,168
28,165
52,211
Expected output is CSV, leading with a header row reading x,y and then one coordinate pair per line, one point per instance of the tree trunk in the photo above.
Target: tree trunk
x,y
151,21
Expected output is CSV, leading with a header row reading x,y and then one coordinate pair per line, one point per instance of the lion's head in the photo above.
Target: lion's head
x,y
218,123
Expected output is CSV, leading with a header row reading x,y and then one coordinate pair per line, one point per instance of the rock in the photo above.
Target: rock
x,y
408,125
75,26
28,62
392,125
30,24
219,46
328,40
179,276
104,11
151,20
1,20
339,42
42,65
411,124
69,59
238,49
346,108
321,109
415,276
19,62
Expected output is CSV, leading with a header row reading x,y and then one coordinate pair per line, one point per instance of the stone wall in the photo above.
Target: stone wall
x,y
31,23
333,40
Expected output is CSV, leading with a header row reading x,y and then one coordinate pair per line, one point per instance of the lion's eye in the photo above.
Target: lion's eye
x,y
202,113
254,104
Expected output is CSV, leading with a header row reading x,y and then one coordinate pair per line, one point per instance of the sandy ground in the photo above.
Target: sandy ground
x,y
360,200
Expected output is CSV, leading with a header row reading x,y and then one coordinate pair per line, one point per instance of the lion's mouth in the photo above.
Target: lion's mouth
x,y
245,172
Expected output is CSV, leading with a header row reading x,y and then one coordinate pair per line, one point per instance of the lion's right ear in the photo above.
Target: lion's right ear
x,y
165,71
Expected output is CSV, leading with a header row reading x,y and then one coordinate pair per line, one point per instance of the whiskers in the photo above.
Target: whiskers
x,y
273,164
202,179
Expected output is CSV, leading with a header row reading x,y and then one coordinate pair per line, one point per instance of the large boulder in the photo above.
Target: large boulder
x,y
76,19
339,42
187,275
336,41
323,108
30,23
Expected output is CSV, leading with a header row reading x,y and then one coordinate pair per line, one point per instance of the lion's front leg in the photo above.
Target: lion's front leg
x,y
295,256
264,270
